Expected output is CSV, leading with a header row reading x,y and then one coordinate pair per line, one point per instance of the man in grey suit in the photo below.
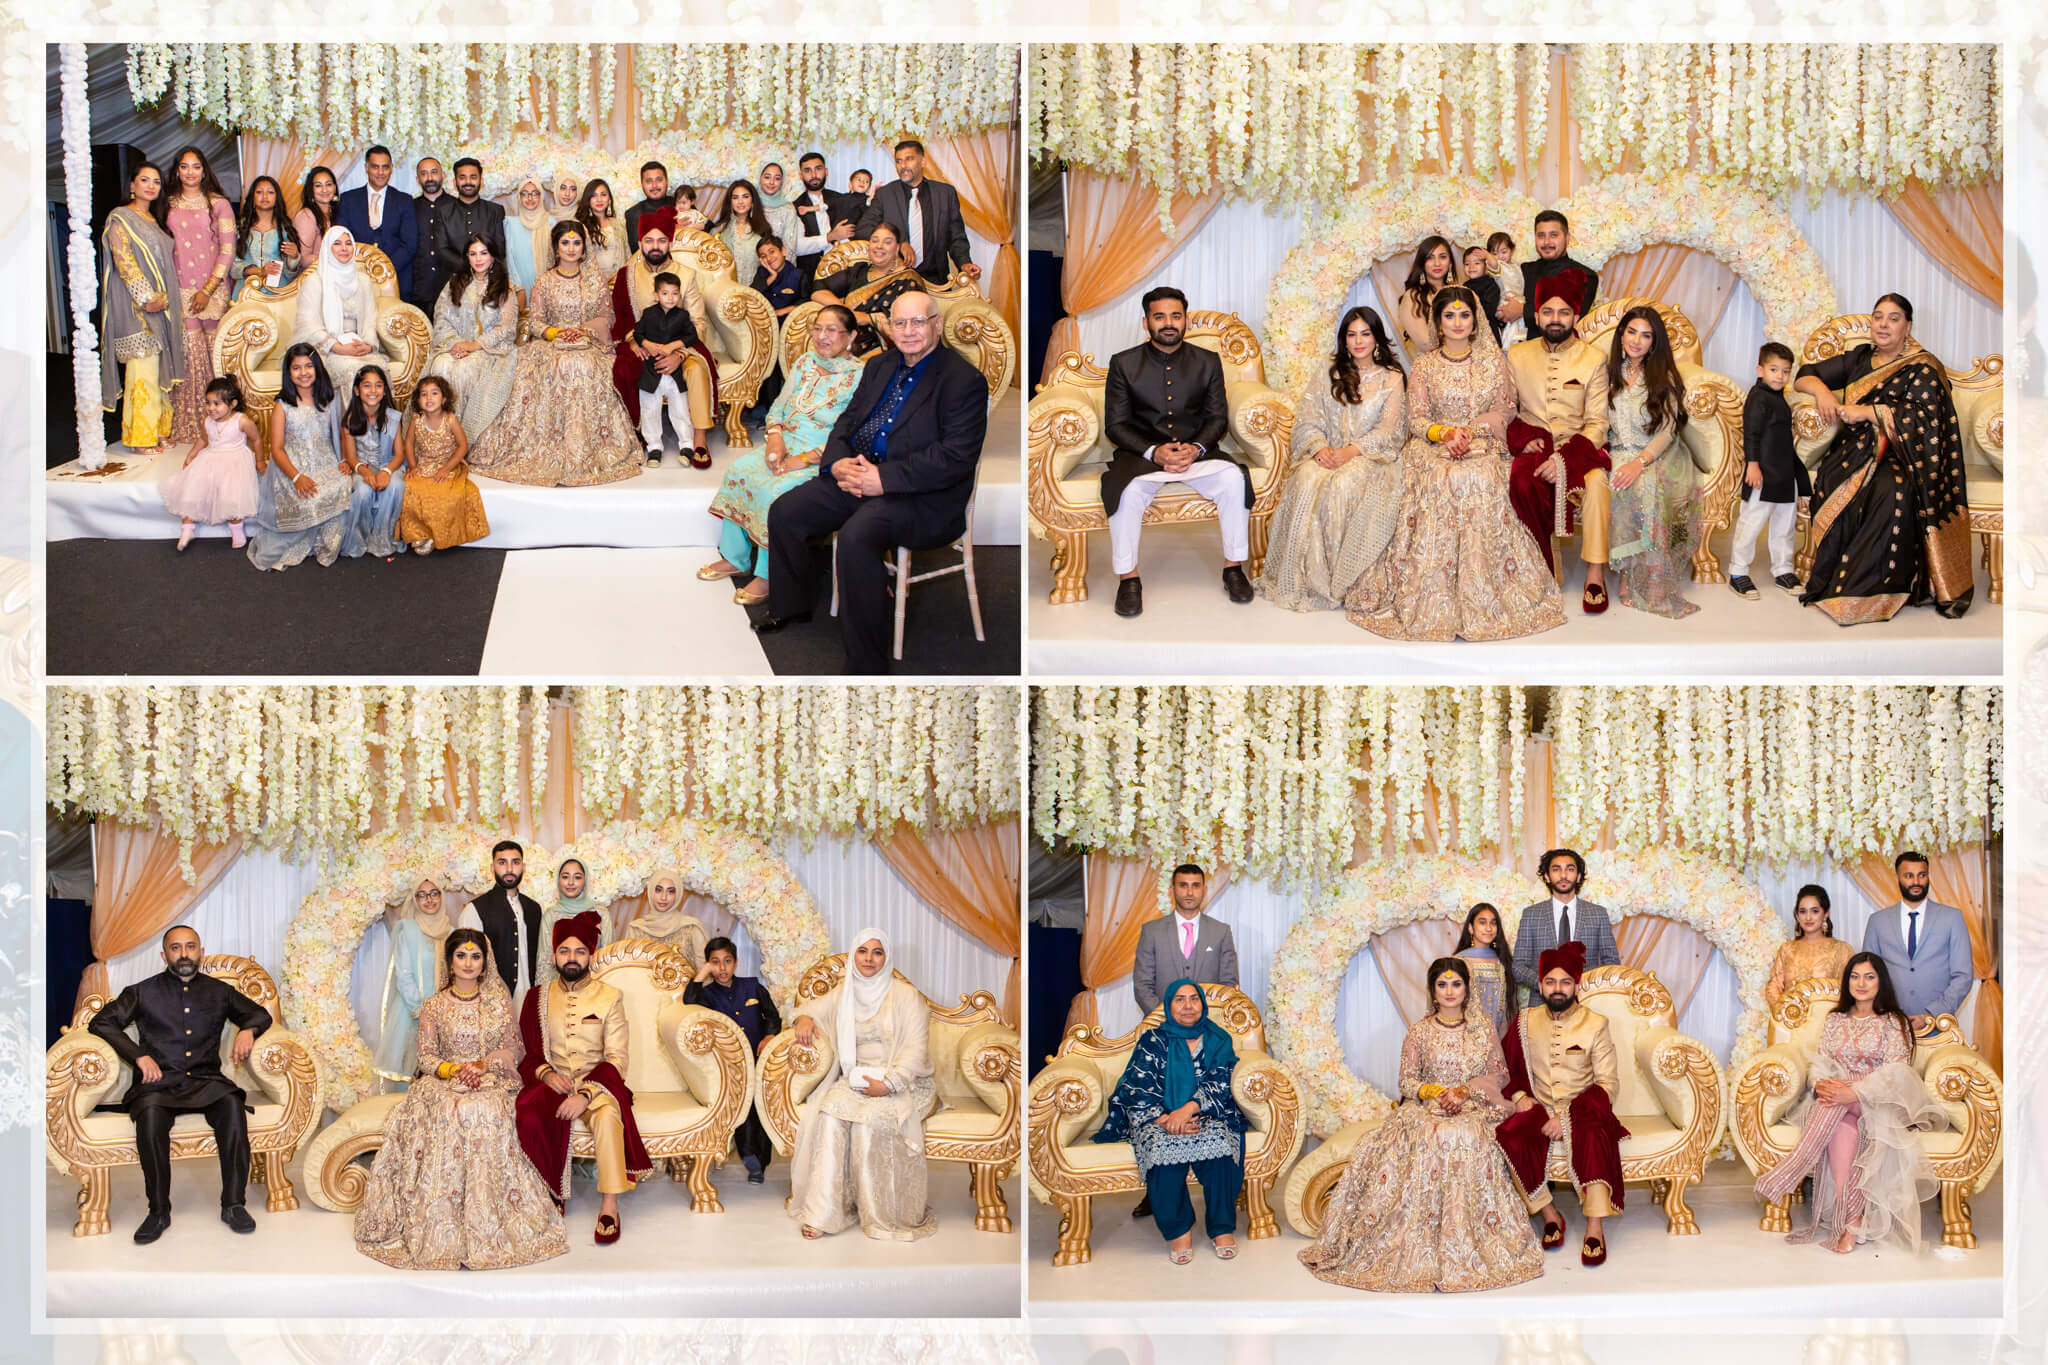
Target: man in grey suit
x,y
1186,944
1564,918
1925,946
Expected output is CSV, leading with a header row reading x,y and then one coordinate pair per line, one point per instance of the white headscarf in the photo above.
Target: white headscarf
x,y
863,995
338,283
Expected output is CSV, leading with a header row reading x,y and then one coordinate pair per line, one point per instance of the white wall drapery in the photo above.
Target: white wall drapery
x,y
1228,263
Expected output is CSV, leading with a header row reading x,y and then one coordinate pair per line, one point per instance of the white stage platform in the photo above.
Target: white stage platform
x,y
669,506
1731,1270
670,1263
1189,629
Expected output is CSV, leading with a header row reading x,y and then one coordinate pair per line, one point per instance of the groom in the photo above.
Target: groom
x,y
1559,433
509,920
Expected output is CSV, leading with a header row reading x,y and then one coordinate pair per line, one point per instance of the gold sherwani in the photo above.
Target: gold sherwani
x,y
1564,391
579,1029
693,377
1565,1055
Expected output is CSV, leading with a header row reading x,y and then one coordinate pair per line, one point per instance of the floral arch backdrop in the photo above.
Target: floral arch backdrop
x,y
1301,1001
739,871
1743,227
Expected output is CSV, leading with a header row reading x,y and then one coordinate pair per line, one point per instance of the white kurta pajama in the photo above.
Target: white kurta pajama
x,y
1221,481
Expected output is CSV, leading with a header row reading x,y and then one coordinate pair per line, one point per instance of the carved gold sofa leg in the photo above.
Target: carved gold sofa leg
x,y
1994,564
283,1198
736,437
991,1210
1261,530
1077,1226
95,1185
703,1194
1777,1216
1955,1216
1679,1220
1069,568
1262,1222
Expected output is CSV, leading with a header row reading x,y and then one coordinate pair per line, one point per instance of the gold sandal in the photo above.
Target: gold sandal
x,y
711,573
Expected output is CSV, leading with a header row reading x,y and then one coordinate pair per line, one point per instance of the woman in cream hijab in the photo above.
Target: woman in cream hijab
x,y
860,1136
337,311
568,189
664,922
416,973
527,226
572,897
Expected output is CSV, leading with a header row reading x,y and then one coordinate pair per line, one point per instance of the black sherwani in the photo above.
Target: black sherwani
x,y
1767,439
456,222
502,926
1154,397
178,1024
1540,269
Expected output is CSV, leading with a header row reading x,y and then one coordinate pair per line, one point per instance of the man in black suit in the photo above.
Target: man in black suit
x,y
823,217
1553,243
1163,411
898,470
926,216
380,216
468,216
654,194
423,286
508,919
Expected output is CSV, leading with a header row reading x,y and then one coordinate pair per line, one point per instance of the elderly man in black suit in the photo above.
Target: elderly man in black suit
x,y
898,470
926,216
1163,410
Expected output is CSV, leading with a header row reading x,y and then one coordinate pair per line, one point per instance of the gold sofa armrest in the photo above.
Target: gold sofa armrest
x,y
1309,1185
1686,1080
745,324
288,1073
1069,1101
785,1077
408,336
1270,1100
973,327
793,335
1712,441
81,1072
715,1062
992,1064
1760,1095
1262,425
1974,1096
1811,436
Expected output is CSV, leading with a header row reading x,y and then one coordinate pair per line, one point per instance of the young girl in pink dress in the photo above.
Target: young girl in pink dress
x,y
218,480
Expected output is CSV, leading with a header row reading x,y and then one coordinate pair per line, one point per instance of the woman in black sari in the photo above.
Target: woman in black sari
x,y
1891,520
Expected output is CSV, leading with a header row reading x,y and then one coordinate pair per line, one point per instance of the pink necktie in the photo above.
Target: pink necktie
x,y
1187,938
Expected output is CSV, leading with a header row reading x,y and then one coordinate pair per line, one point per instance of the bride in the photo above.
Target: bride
x,y
1461,565
451,1188
1427,1201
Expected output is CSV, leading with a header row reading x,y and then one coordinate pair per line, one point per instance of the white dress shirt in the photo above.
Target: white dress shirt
x,y
1557,909
1906,936
522,970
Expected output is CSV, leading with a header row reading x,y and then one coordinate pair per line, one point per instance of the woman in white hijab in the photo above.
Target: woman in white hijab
x,y
337,311
527,226
860,1136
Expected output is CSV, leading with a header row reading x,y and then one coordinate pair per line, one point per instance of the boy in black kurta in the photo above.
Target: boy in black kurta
x,y
178,1015
663,328
744,1000
1773,477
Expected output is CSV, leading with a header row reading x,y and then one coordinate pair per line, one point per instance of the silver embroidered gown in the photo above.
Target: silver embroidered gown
x,y
1333,523
1651,522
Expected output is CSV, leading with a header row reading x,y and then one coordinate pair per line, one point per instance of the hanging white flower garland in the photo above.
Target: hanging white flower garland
x,y
79,256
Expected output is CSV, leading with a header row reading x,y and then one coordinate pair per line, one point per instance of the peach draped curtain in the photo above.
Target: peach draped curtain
x,y
1958,878
1403,956
1113,242
982,166
138,890
970,876
1120,895
1676,954
287,160
1963,230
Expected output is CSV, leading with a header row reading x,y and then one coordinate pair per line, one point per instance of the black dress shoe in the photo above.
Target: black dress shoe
x,y
1235,585
1130,597
768,625
1144,1209
237,1218
152,1228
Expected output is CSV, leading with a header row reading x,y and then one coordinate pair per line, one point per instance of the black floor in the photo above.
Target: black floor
x,y
137,607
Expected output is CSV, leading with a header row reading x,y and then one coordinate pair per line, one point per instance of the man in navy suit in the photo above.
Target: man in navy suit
x,y
1925,946
382,217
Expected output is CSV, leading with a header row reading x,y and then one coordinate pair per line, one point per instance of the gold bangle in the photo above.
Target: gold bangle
x,y
446,1070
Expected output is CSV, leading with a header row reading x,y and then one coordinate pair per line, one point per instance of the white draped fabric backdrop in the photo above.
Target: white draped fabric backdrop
x,y
250,909
1371,1029
1229,261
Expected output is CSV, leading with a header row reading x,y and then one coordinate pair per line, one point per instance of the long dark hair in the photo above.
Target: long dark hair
x,y
497,284
1887,1001
1445,297
1456,967
209,183
323,219
1344,370
593,226
1827,918
1501,949
355,418
159,207
245,219
323,383
456,938
1666,389
757,217
1417,287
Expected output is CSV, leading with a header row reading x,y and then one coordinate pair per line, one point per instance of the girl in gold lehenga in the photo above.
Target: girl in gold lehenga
x,y
1814,951
443,507
451,1188
1427,1201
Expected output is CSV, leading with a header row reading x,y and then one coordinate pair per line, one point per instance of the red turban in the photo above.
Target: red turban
x,y
1568,284
584,928
1569,956
663,217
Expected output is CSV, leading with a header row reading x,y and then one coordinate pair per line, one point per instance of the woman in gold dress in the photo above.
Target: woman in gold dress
x,y
1428,1201
564,423
1461,565
451,1189
1813,952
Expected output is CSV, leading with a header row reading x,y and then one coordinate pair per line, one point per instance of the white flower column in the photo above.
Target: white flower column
x,y
79,257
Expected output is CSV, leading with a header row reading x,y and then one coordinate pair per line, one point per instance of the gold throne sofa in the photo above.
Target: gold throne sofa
x,y
1070,1100
968,323
742,340
1670,1103
977,1063
1979,394
281,1076
1711,441
257,329
690,1070
1066,451
1965,1158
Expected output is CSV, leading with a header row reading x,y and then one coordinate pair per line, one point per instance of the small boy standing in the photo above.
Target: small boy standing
x,y
1774,478
662,330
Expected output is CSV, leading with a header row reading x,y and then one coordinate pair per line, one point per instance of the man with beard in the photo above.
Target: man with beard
x,y
1558,436
694,370
1563,1080
468,216
1553,256
511,921
926,216
423,285
822,218
178,1015
1925,946
1562,919
574,1033
654,194
1163,410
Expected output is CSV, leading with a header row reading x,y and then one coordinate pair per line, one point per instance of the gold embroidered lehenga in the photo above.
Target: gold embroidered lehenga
x,y
1427,1201
1333,523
